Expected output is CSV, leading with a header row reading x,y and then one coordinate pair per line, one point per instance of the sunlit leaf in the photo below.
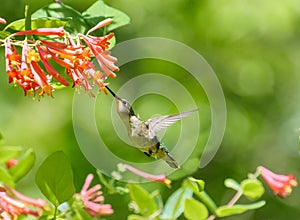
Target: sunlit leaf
x,y
23,166
6,178
136,217
47,22
55,178
194,184
223,211
27,18
143,199
232,184
252,189
175,203
76,23
9,152
195,210
100,11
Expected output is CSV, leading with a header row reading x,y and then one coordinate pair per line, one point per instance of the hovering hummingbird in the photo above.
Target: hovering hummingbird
x,y
143,133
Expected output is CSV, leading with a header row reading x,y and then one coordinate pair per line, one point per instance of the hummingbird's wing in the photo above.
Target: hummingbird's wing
x,y
158,124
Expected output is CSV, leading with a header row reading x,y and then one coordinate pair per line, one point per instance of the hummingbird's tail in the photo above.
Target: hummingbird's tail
x,y
171,161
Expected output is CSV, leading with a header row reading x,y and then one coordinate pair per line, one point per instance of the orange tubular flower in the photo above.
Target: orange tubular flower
x,y
98,47
35,73
280,184
50,69
92,199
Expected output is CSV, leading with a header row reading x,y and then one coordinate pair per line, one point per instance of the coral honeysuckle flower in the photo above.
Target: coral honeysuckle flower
x,y
43,31
98,48
34,70
92,198
13,204
156,178
280,184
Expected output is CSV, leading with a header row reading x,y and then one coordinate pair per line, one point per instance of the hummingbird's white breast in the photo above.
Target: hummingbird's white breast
x,y
139,133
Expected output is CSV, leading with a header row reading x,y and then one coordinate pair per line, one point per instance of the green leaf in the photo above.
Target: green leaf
x,y
223,211
143,199
55,178
47,22
8,152
27,18
194,210
76,23
194,184
6,178
136,217
100,11
252,189
232,184
24,165
175,204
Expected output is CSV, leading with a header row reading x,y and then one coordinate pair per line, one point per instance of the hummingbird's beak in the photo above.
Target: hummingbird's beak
x,y
111,92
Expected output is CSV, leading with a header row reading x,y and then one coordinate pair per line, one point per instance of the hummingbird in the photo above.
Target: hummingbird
x,y
143,134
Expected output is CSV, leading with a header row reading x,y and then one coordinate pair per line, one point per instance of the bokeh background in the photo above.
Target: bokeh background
x,y
254,48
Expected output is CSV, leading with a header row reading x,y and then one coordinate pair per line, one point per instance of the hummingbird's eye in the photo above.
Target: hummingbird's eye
x,y
124,102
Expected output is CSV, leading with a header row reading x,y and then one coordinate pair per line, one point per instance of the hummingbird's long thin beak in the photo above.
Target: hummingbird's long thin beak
x,y
111,92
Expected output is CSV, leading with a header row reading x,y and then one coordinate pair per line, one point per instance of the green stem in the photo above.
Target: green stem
x,y
207,200
55,213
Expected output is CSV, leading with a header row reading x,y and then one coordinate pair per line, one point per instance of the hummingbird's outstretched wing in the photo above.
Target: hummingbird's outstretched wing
x,y
158,124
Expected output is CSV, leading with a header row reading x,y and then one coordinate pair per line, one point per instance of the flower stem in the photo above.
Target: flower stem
x,y
55,213
205,198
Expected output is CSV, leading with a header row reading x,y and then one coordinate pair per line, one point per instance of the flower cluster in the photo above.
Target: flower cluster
x,y
280,184
92,198
35,67
13,204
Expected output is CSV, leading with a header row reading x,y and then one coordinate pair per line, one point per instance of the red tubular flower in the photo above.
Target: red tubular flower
x,y
280,184
43,31
92,199
98,46
157,178
50,69
41,78
11,208
34,71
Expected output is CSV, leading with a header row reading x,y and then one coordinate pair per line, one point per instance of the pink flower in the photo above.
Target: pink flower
x,y
92,198
2,21
14,204
157,178
280,184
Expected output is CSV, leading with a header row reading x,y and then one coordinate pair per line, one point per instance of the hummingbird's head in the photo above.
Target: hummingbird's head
x,y
123,106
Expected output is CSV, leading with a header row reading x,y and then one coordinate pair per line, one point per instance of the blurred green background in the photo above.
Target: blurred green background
x,y
254,48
